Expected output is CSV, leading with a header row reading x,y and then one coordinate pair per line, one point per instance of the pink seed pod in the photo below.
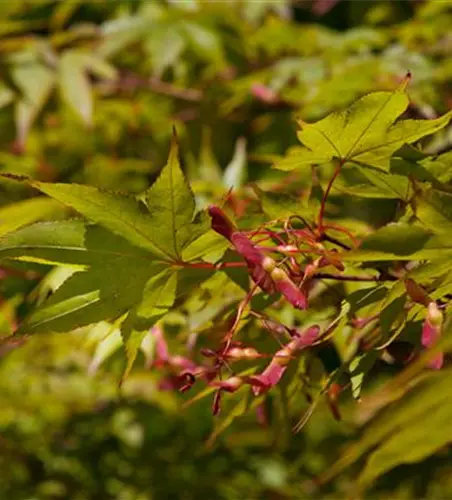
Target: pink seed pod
x,y
221,222
229,385
161,347
256,260
182,362
262,278
307,337
240,353
287,249
278,365
268,378
287,287
247,250
242,244
268,264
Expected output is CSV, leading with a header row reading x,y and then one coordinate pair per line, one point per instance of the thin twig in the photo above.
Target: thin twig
x,y
331,239
166,88
340,277
130,82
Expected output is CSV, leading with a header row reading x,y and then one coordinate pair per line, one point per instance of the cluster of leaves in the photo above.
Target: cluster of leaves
x,y
281,297
59,66
138,261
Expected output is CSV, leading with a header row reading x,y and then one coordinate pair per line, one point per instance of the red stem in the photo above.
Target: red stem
x,y
239,313
326,194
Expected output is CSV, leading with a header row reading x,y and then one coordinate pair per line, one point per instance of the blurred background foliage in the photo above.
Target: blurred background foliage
x,y
89,92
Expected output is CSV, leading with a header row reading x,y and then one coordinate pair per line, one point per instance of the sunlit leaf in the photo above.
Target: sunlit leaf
x,y
364,133
235,172
276,205
158,295
25,212
74,84
103,292
172,206
399,241
434,209
359,367
106,347
35,82
118,213
69,242
210,247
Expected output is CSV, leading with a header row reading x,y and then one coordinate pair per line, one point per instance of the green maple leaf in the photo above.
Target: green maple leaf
x,y
158,296
164,225
365,133
172,206
112,273
72,243
130,259
433,207
105,291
